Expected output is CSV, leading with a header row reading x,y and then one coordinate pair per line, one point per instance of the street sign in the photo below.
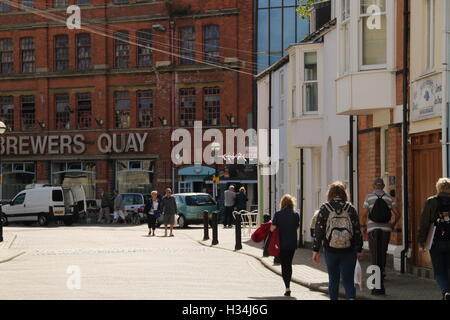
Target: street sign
x,y
216,180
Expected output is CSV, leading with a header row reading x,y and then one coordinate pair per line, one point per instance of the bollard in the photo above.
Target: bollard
x,y
205,225
1,228
215,219
238,220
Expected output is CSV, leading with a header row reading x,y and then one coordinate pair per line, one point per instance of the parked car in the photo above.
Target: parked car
x,y
42,204
191,207
133,202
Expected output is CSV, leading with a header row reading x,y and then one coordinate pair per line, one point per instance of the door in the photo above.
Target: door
x,y
426,170
16,210
79,198
185,186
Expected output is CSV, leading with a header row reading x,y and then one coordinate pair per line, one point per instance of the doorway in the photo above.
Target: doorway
x,y
426,170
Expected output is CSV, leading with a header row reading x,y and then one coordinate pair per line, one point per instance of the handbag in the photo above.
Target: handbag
x,y
274,244
157,214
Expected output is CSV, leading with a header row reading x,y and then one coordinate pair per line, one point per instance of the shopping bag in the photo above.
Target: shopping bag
x,y
358,275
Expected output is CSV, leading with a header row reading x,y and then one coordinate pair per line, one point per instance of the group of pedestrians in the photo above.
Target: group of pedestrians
x,y
338,232
233,201
156,206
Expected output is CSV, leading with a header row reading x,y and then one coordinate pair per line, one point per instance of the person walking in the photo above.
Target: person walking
x,y
152,210
338,231
230,201
241,200
119,208
379,219
169,210
105,207
287,222
434,234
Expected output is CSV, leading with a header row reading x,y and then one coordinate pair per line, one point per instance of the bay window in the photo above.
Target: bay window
x,y
373,33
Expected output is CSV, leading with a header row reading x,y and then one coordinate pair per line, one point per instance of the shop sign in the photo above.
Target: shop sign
x,y
65,144
427,98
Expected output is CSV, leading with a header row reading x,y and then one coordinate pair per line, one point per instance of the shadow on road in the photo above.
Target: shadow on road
x,y
274,298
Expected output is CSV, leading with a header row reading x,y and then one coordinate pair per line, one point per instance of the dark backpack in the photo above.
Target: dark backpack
x,y
442,232
380,213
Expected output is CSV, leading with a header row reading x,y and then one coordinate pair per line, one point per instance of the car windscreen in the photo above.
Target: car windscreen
x,y
200,200
132,199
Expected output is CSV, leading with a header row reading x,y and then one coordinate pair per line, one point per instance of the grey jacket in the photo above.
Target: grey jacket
x,y
230,198
169,205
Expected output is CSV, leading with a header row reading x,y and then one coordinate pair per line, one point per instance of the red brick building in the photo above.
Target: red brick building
x,y
96,106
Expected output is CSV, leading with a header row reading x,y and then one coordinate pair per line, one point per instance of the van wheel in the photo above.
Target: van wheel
x,y
42,220
4,219
182,222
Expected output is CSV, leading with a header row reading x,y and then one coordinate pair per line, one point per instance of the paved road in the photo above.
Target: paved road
x,y
121,262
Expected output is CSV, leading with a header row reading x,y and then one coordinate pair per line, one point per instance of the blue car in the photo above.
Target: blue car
x,y
191,207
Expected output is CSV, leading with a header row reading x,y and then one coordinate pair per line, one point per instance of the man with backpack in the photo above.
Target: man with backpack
x,y
379,220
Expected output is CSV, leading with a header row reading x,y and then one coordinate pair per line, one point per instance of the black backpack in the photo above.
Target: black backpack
x,y
380,213
442,232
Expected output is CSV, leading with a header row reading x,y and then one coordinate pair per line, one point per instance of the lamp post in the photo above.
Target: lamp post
x,y
2,131
215,148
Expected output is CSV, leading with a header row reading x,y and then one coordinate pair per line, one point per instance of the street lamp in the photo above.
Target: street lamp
x,y
2,131
215,148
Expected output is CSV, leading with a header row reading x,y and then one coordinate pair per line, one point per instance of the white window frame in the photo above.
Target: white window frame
x,y
305,82
282,101
361,17
294,111
430,16
345,50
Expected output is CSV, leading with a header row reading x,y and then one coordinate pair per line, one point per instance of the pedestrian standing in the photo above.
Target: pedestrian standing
x,y
152,210
169,210
105,207
434,234
379,219
287,222
119,208
230,202
241,200
338,231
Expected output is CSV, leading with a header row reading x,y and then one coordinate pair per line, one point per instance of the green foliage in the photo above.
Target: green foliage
x,y
303,10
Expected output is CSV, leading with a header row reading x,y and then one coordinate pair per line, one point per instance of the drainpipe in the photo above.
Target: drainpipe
x,y
270,142
172,109
446,85
405,128
302,196
351,162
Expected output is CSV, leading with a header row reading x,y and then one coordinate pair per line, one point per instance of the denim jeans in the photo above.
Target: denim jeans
x,y
341,264
440,257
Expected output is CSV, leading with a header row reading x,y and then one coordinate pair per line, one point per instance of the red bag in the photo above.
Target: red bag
x,y
274,244
261,233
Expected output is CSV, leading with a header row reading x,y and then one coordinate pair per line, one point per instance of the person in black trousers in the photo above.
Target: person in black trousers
x,y
152,210
287,222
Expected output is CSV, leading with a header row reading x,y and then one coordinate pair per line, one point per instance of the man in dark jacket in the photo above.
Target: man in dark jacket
x,y
435,217
169,210
241,200
105,207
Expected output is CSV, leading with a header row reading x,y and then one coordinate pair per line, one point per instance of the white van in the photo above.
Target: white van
x,y
42,204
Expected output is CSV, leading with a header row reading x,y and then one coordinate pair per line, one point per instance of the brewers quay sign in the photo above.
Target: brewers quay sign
x,y
65,144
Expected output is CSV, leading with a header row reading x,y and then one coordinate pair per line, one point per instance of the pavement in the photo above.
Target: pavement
x,y
122,262
6,253
398,286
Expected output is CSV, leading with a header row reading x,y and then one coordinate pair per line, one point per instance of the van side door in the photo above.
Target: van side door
x,y
17,210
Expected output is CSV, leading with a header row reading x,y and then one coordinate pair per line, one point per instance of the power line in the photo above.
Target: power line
x,y
93,30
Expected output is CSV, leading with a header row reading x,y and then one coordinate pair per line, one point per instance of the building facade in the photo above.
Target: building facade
x,y
97,106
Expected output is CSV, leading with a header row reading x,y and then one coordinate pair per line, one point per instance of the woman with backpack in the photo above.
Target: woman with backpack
x,y
338,231
287,222
434,234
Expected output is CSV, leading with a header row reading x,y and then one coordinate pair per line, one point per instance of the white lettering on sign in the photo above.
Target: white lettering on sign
x,y
74,20
58,145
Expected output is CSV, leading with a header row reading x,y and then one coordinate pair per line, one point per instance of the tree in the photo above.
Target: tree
x,y
303,10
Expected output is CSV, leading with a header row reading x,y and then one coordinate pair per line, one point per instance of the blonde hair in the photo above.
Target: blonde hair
x,y
337,190
287,202
154,192
242,189
443,185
